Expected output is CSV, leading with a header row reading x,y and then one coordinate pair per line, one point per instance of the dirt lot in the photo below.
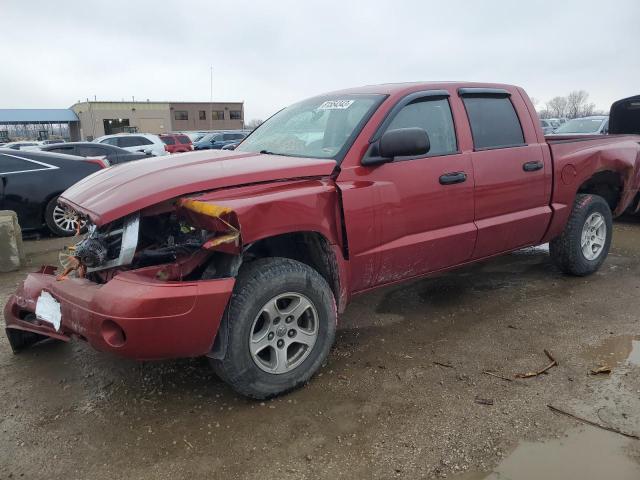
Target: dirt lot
x,y
380,408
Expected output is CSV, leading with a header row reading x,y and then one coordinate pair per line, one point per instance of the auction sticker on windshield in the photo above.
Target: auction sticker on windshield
x,y
336,105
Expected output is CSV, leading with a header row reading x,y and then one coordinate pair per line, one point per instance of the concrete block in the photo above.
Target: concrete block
x,y
11,251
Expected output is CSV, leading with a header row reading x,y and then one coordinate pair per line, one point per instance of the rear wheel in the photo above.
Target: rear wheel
x,y
586,239
61,220
282,321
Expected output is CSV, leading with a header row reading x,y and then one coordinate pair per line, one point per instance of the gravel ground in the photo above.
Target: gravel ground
x,y
381,407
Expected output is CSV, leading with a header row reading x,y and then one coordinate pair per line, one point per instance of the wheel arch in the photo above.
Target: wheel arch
x,y
309,247
608,184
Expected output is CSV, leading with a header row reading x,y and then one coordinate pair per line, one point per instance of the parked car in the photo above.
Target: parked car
x,y
217,140
135,142
21,144
114,155
32,182
594,125
176,142
194,136
249,256
547,126
53,141
231,146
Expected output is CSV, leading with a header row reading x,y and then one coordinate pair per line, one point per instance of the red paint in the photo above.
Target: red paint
x,y
385,223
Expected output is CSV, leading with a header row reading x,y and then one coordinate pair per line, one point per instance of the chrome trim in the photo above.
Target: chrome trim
x,y
128,243
46,165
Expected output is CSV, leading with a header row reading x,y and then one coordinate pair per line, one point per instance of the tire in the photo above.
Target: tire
x,y
580,256
57,229
266,291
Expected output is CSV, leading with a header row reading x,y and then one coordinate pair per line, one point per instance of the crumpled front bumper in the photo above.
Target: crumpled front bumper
x,y
133,315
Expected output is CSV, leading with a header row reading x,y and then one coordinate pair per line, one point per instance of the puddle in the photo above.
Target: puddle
x,y
585,454
616,351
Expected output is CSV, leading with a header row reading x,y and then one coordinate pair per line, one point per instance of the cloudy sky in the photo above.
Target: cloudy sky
x,y
271,53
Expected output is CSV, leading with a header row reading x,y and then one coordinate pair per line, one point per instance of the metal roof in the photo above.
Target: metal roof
x,y
34,115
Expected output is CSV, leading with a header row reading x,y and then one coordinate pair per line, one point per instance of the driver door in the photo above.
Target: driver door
x,y
414,215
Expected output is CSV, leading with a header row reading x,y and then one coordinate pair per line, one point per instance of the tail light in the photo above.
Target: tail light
x,y
102,161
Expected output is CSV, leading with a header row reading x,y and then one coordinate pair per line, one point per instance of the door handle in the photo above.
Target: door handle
x,y
532,166
452,178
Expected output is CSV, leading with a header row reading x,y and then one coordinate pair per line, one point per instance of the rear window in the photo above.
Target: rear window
x,y
91,151
183,139
66,150
132,141
494,122
168,140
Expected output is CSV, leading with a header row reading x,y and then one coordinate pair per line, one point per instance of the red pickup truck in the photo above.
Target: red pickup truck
x,y
248,256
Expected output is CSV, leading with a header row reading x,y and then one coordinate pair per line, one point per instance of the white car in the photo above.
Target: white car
x,y
26,145
593,125
136,142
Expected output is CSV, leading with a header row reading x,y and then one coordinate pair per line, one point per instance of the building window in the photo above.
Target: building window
x,y
235,115
202,115
181,115
217,115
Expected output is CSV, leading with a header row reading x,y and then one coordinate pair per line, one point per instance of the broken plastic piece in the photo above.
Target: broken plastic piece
x,y
205,208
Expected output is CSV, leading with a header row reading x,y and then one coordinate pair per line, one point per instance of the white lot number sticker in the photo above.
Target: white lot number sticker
x,y
48,309
336,105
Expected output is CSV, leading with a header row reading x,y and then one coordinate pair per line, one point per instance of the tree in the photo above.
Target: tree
x,y
253,124
577,104
557,107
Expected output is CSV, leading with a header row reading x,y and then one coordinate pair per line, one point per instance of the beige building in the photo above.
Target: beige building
x,y
207,116
104,118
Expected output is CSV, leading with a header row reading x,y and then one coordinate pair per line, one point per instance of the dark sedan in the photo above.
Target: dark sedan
x,y
113,154
30,183
217,140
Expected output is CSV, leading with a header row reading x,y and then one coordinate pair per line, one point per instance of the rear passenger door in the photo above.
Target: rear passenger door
x,y
512,172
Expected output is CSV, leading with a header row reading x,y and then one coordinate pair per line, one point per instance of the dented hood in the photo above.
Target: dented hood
x,y
115,192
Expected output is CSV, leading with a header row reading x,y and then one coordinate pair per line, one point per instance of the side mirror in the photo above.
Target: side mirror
x,y
402,142
147,151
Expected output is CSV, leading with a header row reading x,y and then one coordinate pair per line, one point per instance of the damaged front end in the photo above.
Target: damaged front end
x,y
151,285
181,237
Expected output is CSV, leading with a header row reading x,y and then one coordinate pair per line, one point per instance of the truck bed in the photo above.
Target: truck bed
x,y
577,157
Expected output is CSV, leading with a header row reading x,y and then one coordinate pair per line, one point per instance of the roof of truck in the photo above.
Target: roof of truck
x,y
395,88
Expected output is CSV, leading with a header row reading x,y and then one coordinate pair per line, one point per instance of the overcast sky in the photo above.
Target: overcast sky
x,y
272,53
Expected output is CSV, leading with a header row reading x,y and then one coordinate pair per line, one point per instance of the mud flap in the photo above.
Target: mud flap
x,y
20,340
219,349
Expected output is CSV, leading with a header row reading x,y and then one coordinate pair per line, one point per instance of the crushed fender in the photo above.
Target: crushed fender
x,y
214,218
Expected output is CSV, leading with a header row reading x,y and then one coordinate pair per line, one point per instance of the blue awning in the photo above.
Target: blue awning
x,y
37,115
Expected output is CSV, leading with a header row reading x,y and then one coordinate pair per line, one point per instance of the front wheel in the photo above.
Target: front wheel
x,y
584,244
281,326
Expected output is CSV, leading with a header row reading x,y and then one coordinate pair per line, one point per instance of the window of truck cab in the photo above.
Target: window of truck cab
x,y
493,120
432,114
426,109
320,127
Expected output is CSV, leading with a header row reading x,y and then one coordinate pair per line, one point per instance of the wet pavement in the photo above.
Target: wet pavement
x,y
381,407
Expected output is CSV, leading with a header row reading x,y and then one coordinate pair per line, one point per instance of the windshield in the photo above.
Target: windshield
x,y
321,127
581,125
